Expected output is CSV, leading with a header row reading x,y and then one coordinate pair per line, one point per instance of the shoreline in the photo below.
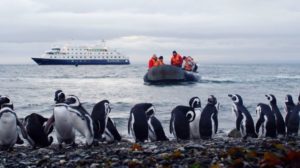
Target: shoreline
x,y
218,152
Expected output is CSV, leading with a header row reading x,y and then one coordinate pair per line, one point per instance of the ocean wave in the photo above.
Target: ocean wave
x,y
287,76
217,80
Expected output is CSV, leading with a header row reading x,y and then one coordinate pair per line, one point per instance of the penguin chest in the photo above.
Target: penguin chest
x,y
243,128
195,126
63,122
8,128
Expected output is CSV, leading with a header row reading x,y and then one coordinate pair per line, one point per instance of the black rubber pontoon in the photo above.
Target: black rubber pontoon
x,y
169,74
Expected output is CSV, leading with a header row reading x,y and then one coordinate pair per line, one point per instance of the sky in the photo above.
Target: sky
x,y
214,31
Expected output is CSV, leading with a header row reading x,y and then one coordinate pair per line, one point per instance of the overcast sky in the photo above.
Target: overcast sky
x,y
214,31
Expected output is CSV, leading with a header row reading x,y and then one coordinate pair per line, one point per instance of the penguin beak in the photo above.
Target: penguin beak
x,y
268,97
230,95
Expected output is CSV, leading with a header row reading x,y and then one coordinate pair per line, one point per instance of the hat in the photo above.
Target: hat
x,y
161,57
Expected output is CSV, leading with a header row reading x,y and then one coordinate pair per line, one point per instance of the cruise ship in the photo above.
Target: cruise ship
x,y
82,55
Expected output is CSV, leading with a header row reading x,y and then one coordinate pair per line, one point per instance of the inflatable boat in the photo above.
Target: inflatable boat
x,y
169,74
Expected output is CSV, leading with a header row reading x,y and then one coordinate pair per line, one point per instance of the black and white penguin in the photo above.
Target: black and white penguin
x,y
137,123
103,126
5,101
181,117
289,106
209,116
34,126
293,120
266,116
143,125
244,121
9,124
280,125
68,117
100,116
195,104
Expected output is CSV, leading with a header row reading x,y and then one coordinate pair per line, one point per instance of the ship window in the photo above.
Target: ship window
x,y
50,56
119,57
91,57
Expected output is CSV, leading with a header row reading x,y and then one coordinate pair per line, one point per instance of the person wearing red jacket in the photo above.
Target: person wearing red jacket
x,y
152,61
176,59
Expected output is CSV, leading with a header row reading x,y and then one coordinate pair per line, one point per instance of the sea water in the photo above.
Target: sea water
x,y
32,87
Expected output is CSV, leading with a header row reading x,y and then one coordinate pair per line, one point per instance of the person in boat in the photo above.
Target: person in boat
x,y
189,64
176,59
160,61
152,61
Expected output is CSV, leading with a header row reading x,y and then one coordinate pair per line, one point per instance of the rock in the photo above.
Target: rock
x,y
234,134
62,161
115,159
94,165
194,146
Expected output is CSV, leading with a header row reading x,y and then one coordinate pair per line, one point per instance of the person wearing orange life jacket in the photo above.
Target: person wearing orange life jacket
x,y
152,61
160,61
189,65
176,59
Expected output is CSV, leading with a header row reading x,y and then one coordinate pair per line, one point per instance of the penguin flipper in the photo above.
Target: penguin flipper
x,y
171,125
259,123
215,119
49,125
129,122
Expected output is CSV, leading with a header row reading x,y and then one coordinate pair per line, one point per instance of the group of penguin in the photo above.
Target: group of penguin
x,y
68,117
187,122
270,122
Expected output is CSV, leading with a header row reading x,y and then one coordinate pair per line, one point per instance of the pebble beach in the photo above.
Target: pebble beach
x,y
219,152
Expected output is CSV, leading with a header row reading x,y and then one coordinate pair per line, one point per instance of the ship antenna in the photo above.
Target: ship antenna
x,y
104,44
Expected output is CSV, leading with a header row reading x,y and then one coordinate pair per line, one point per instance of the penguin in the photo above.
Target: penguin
x,y
5,101
103,125
9,124
266,116
68,117
181,117
156,131
247,127
293,120
280,125
34,126
289,106
209,116
143,125
195,104
59,97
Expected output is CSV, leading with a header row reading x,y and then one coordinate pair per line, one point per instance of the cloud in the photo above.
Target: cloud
x,y
224,30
